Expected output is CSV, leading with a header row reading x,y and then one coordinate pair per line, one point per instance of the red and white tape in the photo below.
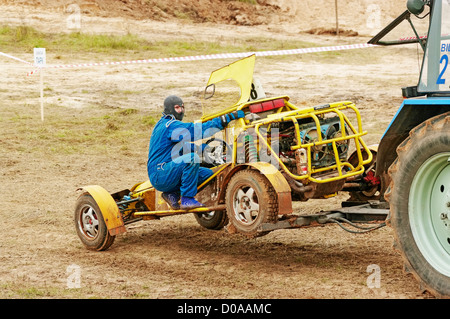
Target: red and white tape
x,y
212,56
216,56
15,58
202,57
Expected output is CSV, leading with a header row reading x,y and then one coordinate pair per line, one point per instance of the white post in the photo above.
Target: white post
x,y
41,88
40,61
337,18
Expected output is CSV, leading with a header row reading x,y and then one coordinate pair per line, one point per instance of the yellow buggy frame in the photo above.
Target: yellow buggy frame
x,y
249,194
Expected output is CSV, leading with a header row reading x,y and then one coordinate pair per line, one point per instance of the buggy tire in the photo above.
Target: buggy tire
x,y
419,199
90,224
251,201
215,220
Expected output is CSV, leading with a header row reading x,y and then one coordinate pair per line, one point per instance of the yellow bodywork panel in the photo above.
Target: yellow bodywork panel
x,y
152,198
276,179
274,176
241,71
108,208
141,187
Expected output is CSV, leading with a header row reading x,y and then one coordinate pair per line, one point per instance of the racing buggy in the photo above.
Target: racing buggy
x,y
277,154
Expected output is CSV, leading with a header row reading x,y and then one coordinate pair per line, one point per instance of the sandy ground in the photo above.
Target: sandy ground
x,y
175,257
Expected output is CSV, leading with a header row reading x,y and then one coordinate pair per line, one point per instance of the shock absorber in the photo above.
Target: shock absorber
x,y
251,153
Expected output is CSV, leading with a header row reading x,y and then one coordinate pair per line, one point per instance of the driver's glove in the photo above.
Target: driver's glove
x,y
227,118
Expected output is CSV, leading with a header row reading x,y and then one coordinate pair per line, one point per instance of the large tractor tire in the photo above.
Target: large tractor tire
x,y
90,224
419,198
251,201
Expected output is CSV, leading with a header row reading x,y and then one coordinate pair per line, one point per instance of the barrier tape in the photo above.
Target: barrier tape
x,y
213,56
202,57
14,58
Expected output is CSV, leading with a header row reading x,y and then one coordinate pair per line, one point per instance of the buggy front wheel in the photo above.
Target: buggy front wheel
x,y
214,220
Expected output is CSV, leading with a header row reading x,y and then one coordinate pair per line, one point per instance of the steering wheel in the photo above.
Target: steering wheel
x,y
216,152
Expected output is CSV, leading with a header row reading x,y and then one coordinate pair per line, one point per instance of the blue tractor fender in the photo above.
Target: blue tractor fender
x,y
411,113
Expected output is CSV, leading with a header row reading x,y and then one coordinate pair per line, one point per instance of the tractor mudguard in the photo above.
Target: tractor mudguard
x,y
108,208
411,113
276,179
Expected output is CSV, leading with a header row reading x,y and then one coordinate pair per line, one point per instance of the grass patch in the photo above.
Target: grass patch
x,y
18,290
91,131
25,38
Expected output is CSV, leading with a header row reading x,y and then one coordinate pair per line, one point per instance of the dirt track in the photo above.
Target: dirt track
x,y
174,257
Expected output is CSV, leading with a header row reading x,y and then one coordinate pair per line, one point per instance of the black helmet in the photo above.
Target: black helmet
x,y
169,106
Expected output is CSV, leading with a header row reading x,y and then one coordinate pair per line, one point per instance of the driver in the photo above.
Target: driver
x,y
177,176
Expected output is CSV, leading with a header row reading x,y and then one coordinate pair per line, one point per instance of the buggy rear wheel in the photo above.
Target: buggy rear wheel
x,y
90,224
251,201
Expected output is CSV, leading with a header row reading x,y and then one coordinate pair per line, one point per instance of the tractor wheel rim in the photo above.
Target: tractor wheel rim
x,y
429,211
88,222
246,205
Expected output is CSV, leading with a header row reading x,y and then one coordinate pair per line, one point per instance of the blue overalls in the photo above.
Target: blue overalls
x,y
172,165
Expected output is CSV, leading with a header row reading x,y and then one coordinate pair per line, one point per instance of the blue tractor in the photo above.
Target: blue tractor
x,y
415,180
